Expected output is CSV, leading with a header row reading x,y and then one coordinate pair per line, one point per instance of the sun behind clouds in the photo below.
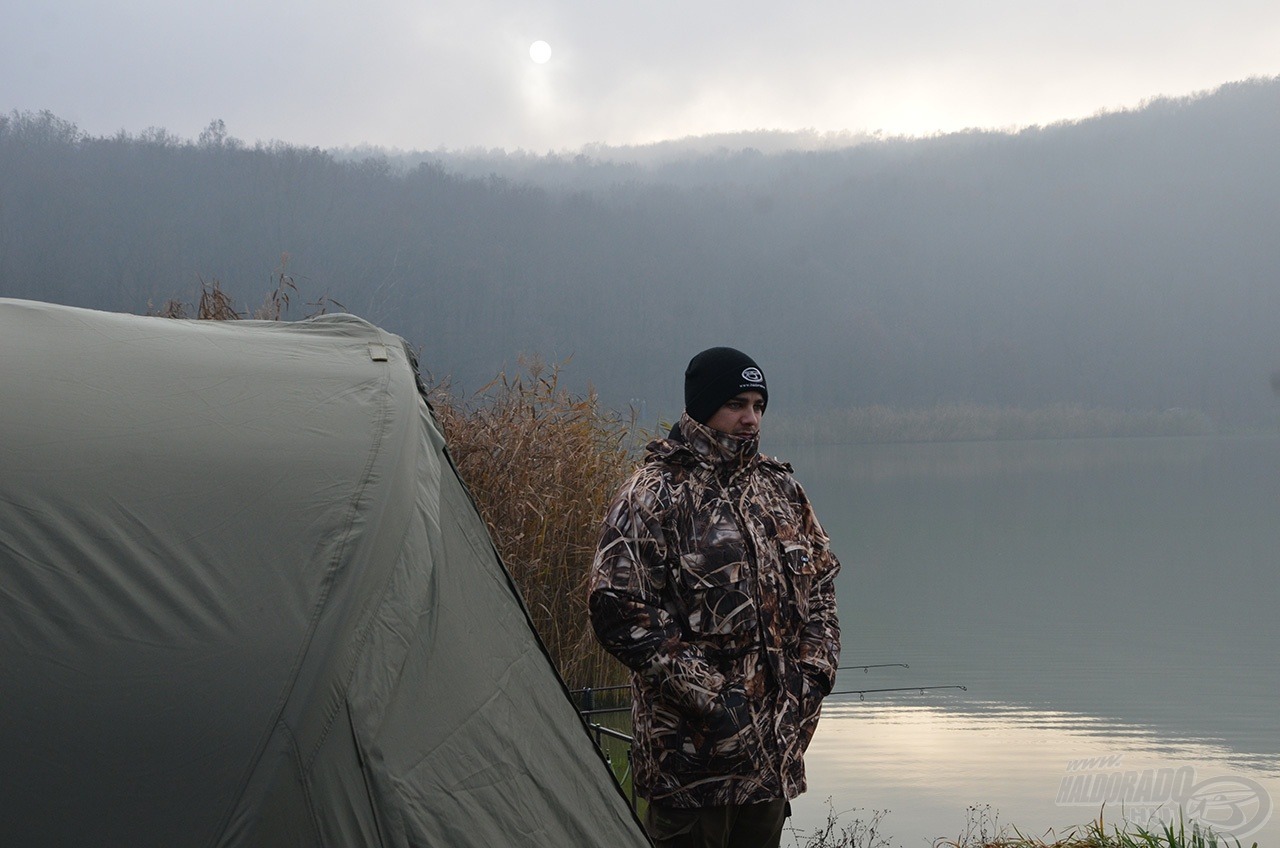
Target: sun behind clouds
x,y
540,52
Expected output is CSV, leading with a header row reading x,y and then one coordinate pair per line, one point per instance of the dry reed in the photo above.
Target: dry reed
x,y
543,464
215,304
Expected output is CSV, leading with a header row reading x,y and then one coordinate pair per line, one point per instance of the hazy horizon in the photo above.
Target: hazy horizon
x,y
761,139
458,75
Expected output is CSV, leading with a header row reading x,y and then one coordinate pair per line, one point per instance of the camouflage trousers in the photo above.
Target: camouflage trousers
x,y
732,826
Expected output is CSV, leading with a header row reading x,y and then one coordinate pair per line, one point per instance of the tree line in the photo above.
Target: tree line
x,y
1126,261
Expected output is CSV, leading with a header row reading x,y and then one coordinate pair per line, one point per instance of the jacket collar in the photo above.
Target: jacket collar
x,y
712,447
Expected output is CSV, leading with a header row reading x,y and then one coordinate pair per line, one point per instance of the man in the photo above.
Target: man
x,y
714,583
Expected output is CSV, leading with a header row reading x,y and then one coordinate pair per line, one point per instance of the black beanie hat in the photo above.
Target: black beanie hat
x,y
714,376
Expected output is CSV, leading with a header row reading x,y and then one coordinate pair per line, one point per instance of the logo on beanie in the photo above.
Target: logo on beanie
x,y
752,375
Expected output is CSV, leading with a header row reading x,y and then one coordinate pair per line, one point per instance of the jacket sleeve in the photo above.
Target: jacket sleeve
x,y
629,607
819,653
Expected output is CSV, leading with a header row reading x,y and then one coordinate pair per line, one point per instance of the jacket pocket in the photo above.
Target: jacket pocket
x,y
801,569
719,749
718,598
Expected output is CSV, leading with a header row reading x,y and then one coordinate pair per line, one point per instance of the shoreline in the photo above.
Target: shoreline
x,y
965,422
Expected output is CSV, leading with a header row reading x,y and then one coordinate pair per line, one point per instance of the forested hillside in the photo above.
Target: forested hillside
x,y
1127,261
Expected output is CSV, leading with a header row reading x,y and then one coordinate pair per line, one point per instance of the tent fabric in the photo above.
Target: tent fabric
x,y
246,601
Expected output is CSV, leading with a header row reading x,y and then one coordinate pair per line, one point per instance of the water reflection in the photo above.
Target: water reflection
x,y
926,764
1099,598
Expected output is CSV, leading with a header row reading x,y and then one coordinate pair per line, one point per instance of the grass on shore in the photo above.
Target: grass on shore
x,y
983,831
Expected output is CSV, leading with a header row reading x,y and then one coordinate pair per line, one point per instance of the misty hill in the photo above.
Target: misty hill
x,y
1125,261
695,160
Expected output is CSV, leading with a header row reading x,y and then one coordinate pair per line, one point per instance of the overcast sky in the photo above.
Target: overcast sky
x,y
457,73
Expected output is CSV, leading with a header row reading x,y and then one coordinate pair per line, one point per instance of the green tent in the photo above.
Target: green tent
x,y
246,601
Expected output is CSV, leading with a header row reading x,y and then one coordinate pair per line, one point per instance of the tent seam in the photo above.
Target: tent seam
x,y
331,575
305,780
361,640
328,582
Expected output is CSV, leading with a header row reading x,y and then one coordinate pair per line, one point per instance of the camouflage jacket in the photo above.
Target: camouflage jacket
x,y
714,583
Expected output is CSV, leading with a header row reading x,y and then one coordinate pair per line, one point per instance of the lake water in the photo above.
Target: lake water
x,y
1110,606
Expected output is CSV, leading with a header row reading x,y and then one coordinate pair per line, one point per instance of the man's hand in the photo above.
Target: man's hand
x,y
729,713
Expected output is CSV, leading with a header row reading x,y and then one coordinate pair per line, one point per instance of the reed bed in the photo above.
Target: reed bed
x,y
543,464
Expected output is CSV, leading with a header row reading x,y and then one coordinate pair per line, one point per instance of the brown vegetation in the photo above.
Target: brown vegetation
x,y
215,304
542,464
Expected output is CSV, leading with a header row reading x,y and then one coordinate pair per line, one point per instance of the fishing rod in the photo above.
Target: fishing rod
x,y
862,693
600,689
601,730
865,668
